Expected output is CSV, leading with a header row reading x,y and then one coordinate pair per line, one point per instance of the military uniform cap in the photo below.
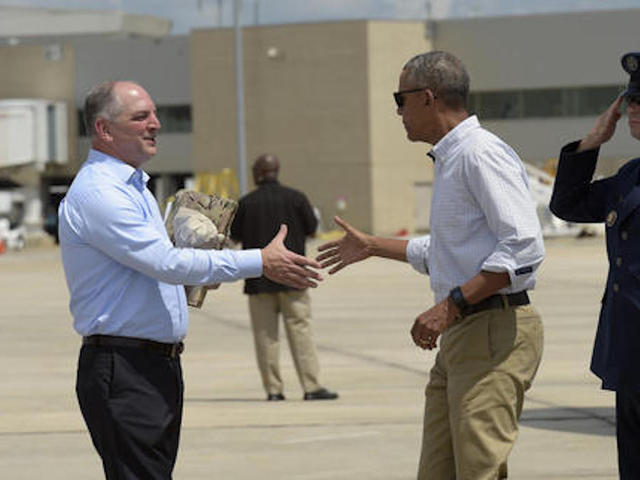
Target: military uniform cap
x,y
631,64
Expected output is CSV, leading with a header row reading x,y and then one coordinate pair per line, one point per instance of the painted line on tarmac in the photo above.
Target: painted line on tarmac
x,y
42,432
328,438
307,425
331,474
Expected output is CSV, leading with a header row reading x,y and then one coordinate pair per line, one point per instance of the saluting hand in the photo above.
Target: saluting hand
x,y
353,247
284,266
604,128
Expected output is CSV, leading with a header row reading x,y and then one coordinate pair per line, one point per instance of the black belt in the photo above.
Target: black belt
x,y
172,350
498,301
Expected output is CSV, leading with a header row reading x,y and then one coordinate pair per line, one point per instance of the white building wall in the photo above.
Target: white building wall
x,y
538,140
538,51
160,65
547,51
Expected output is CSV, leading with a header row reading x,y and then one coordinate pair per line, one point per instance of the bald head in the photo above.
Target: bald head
x,y
121,119
107,100
265,168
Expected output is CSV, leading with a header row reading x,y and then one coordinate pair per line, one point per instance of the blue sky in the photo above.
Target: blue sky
x,y
187,14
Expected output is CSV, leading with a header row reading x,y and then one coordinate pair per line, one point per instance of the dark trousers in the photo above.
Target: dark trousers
x,y
628,434
131,401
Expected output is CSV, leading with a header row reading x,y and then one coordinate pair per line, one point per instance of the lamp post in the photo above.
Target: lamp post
x,y
241,136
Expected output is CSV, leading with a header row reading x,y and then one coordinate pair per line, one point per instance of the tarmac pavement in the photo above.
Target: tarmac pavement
x,y
362,318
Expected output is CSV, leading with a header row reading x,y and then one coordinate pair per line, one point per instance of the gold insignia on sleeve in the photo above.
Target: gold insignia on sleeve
x,y
611,218
631,63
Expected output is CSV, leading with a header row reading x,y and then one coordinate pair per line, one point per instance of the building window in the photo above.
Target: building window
x,y
592,101
498,104
543,103
174,119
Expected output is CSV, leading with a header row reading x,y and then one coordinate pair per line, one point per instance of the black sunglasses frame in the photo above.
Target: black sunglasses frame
x,y
399,96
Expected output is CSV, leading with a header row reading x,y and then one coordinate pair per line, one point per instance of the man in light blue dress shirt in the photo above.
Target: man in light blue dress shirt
x,y
126,280
482,254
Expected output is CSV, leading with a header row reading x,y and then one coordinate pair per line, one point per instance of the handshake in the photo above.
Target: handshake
x,y
192,229
195,220
284,266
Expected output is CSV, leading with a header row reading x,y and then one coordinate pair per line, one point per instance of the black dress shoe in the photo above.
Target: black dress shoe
x,y
321,394
274,397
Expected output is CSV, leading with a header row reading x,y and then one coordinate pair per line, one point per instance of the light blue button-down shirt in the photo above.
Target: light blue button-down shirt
x,y
124,275
482,214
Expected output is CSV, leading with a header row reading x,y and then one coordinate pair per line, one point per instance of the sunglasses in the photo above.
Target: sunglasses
x,y
399,96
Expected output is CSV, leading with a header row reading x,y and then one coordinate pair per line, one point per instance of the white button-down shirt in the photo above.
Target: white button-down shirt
x,y
124,275
482,214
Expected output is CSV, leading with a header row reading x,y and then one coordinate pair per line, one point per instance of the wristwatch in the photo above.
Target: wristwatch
x,y
458,299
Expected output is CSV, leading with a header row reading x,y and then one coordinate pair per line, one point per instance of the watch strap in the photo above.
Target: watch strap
x,y
458,299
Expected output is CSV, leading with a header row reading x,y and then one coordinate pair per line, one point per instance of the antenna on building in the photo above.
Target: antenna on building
x,y
240,123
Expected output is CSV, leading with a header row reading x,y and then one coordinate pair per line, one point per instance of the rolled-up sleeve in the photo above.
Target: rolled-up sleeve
x,y
418,253
498,182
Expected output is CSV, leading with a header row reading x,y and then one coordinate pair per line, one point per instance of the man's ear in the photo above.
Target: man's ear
x,y
430,96
103,129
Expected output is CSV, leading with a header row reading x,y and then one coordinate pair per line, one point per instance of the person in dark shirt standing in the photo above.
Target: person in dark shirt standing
x,y
259,216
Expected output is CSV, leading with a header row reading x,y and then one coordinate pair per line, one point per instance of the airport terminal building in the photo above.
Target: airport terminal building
x,y
319,96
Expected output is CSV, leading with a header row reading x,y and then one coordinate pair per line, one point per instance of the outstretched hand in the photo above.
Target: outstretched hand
x,y
353,247
284,266
604,128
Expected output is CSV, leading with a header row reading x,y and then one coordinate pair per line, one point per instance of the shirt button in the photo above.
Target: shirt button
x,y
624,235
616,287
618,261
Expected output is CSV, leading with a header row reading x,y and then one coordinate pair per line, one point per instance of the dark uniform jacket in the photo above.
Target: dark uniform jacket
x,y
615,201
258,219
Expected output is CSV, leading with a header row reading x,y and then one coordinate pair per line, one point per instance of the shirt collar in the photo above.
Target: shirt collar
x,y
445,148
123,171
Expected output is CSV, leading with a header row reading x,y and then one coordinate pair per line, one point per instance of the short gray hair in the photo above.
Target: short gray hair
x,y
101,101
444,74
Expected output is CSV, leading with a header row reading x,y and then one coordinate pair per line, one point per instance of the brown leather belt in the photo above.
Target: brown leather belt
x,y
172,350
498,301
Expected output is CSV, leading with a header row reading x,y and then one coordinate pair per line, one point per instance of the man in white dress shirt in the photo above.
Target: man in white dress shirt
x,y
482,254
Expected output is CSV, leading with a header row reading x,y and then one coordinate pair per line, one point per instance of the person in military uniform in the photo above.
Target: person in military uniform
x,y
615,201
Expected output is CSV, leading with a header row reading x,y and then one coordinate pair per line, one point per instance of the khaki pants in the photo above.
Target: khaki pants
x,y
295,306
475,394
